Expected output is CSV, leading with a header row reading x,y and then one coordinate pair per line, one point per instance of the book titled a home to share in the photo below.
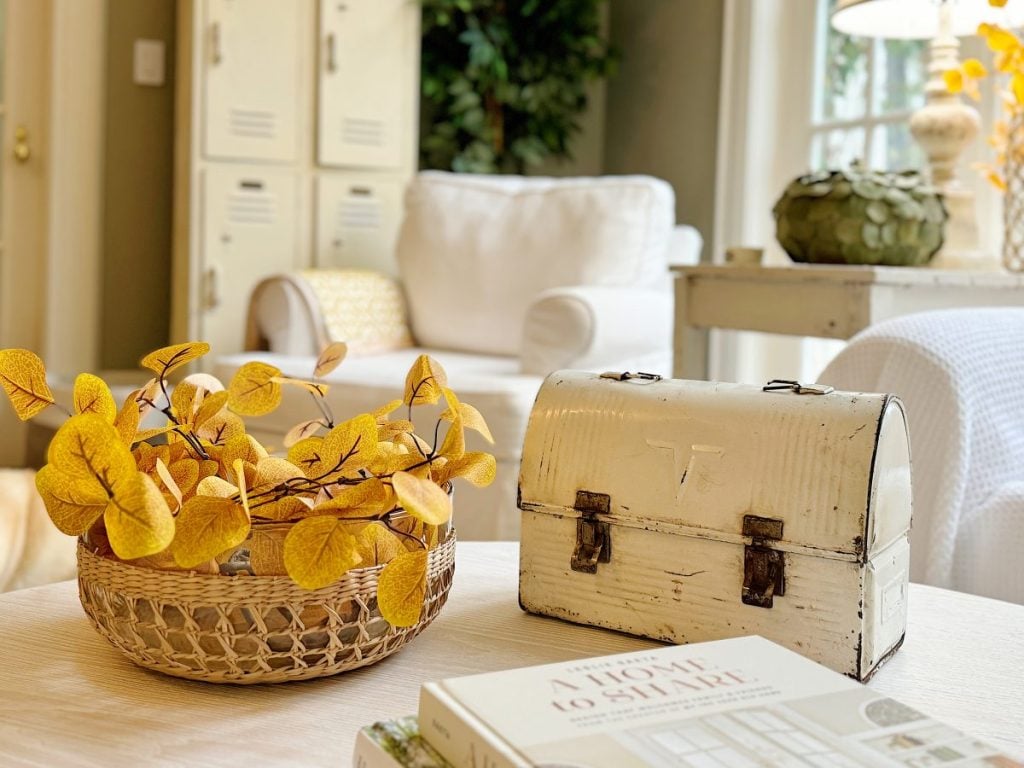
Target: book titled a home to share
x,y
741,703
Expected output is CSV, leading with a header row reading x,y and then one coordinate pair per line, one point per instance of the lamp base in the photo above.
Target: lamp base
x,y
961,247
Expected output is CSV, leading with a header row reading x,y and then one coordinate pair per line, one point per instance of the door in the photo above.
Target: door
x,y
251,83
25,27
367,87
250,231
357,219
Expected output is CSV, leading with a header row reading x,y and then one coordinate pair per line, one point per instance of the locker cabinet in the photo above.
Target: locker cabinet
x,y
357,219
249,232
368,49
251,79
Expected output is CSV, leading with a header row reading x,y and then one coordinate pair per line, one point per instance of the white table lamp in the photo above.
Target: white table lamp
x,y
945,125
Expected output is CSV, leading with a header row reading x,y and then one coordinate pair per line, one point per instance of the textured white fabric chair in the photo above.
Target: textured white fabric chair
x,y
960,374
505,279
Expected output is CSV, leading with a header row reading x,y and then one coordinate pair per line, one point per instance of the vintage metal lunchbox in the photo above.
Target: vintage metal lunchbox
x,y
688,511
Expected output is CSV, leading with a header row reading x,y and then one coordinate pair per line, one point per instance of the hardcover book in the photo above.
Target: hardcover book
x,y
739,703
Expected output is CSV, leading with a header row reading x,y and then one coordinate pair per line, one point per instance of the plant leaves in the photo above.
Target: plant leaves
x,y
205,382
73,504
87,446
285,508
454,444
137,518
318,551
266,553
471,417
163,361
126,422
221,428
23,377
353,442
207,526
215,486
169,482
369,496
244,447
377,545
422,499
330,358
478,468
302,430
253,391
383,413
401,588
273,471
92,395
425,382
313,387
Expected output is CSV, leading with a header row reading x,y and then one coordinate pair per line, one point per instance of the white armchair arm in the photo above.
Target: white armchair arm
x,y
598,328
299,314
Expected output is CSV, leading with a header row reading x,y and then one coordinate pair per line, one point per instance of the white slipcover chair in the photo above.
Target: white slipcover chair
x,y
504,279
960,374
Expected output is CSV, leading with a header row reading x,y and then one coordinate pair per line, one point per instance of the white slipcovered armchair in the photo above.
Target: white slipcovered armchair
x,y
502,280
959,373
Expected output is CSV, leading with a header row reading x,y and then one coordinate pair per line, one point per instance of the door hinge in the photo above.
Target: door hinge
x,y
764,568
593,536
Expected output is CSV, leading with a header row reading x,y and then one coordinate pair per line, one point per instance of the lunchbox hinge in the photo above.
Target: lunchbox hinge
x,y
764,568
593,536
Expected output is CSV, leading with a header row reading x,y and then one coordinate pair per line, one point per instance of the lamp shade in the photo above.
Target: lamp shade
x,y
919,19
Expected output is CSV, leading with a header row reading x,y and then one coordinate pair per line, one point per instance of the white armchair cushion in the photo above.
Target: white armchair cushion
x,y
598,328
475,251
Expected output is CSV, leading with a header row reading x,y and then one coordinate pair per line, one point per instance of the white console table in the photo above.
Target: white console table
x,y
833,302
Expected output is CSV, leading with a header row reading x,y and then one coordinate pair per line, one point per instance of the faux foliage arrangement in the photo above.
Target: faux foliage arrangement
x,y
504,80
362,492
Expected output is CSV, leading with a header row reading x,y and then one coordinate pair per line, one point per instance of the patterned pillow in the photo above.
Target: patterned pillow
x,y
363,308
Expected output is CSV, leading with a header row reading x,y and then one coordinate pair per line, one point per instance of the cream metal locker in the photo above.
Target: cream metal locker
x,y
249,231
357,218
251,57
367,85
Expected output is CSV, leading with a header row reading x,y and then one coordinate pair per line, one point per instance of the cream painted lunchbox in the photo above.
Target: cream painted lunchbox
x,y
688,511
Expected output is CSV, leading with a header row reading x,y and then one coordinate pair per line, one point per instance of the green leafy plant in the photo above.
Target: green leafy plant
x,y
504,81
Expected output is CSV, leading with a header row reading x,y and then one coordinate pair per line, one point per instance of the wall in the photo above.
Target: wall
x,y
137,197
662,105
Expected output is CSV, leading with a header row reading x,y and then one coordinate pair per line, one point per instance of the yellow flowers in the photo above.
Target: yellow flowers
x,y
357,493
1008,60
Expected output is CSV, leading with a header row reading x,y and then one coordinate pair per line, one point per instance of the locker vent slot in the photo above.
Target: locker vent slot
x,y
253,123
250,208
359,214
362,131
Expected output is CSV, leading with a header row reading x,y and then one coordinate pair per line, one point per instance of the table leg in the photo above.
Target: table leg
x,y
690,344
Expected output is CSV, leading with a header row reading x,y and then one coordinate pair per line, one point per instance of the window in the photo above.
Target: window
x,y
864,93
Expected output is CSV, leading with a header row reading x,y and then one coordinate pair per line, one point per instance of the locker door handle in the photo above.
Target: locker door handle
x,y
332,61
216,52
211,289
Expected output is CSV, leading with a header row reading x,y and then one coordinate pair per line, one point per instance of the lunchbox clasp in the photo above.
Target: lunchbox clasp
x,y
764,568
593,536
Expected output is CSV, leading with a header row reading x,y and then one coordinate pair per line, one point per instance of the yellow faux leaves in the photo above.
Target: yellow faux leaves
x,y
1007,61
194,491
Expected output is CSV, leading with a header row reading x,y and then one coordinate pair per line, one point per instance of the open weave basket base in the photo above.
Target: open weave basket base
x,y
248,629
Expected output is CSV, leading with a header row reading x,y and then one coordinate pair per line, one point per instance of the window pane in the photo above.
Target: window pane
x,y
894,149
831,150
900,74
842,72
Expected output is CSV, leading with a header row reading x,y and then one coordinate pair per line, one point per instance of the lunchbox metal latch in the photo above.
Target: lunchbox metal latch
x,y
764,568
593,536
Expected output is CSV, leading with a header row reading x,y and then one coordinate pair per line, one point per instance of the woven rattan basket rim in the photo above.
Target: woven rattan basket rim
x,y
179,586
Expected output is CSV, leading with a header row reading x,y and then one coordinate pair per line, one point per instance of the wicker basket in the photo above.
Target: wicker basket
x,y
248,629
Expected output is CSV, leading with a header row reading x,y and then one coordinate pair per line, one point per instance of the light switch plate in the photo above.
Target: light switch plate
x,y
148,62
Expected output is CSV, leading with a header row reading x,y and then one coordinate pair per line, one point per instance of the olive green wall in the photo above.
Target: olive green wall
x,y
137,184
662,105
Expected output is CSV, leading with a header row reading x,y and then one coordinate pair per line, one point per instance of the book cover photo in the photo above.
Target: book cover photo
x,y
740,703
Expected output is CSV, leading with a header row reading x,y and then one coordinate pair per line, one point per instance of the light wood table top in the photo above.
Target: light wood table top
x,y
829,301
68,698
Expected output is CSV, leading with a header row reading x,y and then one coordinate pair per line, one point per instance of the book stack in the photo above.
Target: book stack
x,y
739,703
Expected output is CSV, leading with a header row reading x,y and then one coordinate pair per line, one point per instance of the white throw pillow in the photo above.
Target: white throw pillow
x,y
475,251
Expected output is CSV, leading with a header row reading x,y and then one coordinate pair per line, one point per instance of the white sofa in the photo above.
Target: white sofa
x,y
959,373
504,279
